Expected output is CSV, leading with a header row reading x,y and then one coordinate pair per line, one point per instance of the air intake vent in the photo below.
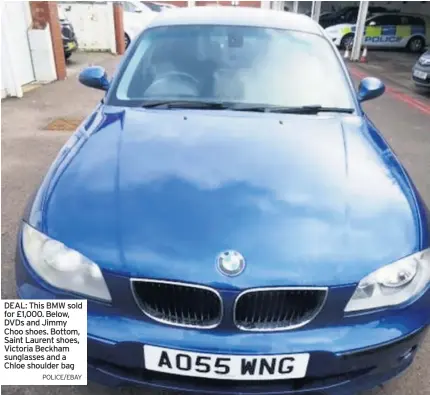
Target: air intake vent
x,y
178,304
277,309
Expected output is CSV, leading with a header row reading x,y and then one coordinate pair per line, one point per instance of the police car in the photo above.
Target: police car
x,y
386,30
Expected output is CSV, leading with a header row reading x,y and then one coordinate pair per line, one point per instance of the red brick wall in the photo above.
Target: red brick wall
x,y
43,13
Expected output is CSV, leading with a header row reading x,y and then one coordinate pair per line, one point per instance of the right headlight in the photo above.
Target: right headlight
x,y
392,284
61,266
424,59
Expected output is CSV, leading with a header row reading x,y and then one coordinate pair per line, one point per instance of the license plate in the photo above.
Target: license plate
x,y
226,367
71,45
420,74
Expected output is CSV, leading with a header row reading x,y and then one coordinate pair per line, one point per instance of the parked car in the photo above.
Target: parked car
x,y
137,16
388,30
348,15
157,7
70,42
236,222
421,71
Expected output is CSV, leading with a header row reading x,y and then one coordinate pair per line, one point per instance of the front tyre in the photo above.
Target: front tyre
x,y
347,41
126,40
416,45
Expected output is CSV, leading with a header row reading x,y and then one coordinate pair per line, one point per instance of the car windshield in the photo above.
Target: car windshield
x,y
153,6
235,64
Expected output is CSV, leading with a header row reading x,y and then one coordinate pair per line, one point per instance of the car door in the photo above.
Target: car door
x,y
406,28
381,31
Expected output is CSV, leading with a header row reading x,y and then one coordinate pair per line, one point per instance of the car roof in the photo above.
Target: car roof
x,y
236,16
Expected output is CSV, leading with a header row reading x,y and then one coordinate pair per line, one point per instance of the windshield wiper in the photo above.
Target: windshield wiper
x,y
203,105
314,109
199,105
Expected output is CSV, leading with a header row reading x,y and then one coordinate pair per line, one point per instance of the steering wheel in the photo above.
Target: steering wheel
x,y
173,74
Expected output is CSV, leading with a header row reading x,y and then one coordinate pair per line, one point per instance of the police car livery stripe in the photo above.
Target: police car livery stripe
x,y
418,30
402,31
373,31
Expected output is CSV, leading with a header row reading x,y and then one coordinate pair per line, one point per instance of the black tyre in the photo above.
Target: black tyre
x,y
347,41
67,55
126,40
416,44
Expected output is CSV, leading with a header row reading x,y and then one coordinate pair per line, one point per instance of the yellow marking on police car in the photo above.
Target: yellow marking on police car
x,y
373,31
403,31
346,30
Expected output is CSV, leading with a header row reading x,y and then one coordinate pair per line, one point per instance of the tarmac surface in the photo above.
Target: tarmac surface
x,y
401,114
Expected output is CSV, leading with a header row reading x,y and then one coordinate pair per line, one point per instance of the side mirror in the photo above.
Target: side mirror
x,y
94,77
370,88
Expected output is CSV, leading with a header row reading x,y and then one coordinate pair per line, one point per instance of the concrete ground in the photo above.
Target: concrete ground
x,y
81,59
395,67
27,151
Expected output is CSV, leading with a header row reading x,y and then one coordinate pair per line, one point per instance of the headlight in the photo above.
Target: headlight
x,y
393,284
331,31
63,267
424,59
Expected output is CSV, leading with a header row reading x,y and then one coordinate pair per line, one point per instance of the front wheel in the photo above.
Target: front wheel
x,y
347,41
126,40
416,44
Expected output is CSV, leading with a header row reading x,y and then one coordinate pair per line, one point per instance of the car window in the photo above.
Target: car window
x,y
152,6
351,16
404,20
129,7
246,65
416,21
384,20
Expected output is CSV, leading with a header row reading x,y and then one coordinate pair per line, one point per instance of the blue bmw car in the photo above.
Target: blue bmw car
x,y
236,222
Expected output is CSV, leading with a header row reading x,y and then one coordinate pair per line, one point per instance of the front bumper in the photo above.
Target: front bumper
x,y
345,359
421,82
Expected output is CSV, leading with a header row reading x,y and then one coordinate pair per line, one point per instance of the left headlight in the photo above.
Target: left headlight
x,y
393,284
61,266
332,31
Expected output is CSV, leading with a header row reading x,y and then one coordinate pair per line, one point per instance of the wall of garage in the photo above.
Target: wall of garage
x,y
93,23
31,45
17,66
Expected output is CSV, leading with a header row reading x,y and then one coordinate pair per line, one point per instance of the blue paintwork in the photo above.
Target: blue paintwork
x,y
370,88
163,203
317,200
94,77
